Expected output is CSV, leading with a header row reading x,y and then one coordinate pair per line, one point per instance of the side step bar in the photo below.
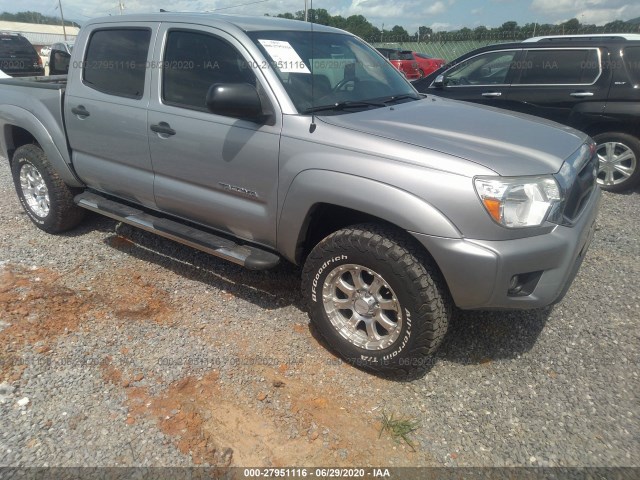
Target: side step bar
x,y
249,257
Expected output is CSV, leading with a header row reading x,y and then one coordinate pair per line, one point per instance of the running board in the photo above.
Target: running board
x,y
249,257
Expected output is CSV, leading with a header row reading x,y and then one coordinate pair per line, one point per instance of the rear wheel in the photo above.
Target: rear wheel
x,y
619,158
376,300
45,197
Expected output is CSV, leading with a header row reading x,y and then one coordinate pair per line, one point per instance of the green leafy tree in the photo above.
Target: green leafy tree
x,y
571,26
320,16
399,32
481,32
424,33
338,21
509,26
360,26
617,26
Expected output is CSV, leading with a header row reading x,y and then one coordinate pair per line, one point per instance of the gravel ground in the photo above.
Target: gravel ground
x,y
121,348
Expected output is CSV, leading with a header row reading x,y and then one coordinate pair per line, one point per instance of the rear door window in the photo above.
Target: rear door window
x,y
115,61
560,67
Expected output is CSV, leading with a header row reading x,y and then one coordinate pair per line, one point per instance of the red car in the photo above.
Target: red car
x,y
403,61
427,63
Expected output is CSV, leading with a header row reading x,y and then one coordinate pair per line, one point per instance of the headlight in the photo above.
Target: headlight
x,y
518,202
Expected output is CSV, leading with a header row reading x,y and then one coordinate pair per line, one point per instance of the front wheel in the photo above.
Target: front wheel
x,y
45,197
377,300
619,158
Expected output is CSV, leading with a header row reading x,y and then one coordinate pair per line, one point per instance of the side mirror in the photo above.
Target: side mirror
x,y
238,100
438,82
59,62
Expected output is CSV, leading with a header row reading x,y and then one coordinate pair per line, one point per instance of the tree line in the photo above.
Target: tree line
x,y
34,17
360,26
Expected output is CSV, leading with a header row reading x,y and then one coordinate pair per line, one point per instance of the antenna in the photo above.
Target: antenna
x,y
64,28
312,127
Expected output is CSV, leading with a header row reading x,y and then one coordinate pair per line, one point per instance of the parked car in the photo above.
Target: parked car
x,y
591,83
396,207
426,63
18,58
403,61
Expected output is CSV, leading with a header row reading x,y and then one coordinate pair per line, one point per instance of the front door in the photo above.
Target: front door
x,y
484,78
218,171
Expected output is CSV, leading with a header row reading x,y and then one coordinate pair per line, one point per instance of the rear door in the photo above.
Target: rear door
x,y
218,171
566,85
624,95
106,111
484,78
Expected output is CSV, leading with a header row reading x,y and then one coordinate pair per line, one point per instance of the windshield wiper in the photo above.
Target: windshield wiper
x,y
345,104
396,98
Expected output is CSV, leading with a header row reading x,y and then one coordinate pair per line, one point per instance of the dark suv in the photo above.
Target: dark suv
x,y
18,58
591,83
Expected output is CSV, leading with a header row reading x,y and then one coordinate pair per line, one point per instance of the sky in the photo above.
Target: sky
x,y
438,14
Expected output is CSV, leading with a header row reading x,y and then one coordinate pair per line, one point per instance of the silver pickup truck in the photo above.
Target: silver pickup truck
x,y
260,139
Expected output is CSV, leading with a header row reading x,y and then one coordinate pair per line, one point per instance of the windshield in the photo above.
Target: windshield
x,y
397,55
344,70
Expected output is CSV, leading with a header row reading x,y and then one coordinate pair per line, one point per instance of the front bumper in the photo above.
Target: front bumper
x,y
478,272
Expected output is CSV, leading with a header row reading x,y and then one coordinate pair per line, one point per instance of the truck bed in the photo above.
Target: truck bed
x,y
35,104
56,82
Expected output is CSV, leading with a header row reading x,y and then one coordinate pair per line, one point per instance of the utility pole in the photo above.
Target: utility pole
x,y
121,6
64,29
306,12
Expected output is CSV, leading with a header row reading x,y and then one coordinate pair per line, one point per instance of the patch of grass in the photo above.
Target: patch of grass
x,y
399,428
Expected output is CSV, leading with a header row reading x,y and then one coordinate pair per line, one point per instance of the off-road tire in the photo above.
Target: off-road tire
x,y
422,295
63,213
629,142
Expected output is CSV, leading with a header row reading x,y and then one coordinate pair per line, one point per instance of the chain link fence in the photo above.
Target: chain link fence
x,y
450,45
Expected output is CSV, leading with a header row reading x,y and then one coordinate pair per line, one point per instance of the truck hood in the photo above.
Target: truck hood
x,y
506,142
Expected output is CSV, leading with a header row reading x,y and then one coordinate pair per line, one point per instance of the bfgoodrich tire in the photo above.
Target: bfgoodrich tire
x,y
377,300
45,197
619,158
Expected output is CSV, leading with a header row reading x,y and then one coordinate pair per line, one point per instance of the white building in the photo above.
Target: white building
x,y
40,35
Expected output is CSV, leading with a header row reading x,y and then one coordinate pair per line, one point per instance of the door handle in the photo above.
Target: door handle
x,y
492,94
80,111
581,94
163,128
